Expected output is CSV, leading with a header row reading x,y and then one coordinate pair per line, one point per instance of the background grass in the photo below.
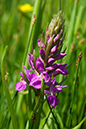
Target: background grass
x,y
14,33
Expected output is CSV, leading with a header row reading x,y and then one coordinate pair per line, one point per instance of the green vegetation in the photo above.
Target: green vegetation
x,y
18,36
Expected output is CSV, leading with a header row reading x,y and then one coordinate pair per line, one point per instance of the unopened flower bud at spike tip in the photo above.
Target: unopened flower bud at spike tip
x,y
56,24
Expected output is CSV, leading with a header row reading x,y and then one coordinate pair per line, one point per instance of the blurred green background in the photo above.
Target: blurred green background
x,y
14,31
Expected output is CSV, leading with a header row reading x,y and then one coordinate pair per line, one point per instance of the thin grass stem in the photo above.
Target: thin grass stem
x,y
8,97
59,5
53,114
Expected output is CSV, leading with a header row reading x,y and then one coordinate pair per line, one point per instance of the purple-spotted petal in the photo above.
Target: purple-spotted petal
x,y
51,61
42,53
39,65
21,74
31,60
27,72
60,70
47,79
40,44
59,56
47,91
20,86
56,38
32,76
51,83
53,67
49,40
61,40
58,89
35,81
53,100
54,49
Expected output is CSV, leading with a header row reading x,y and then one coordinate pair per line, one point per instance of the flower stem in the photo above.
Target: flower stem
x,y
46,120
74,93
32,30
59,5
8,97
34,123
39,109
53,114
79,125
71,31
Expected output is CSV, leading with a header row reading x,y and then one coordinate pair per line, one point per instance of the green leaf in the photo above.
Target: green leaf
x,y
78,19
79,125
40,104
83,2
71,31
10,105
33,30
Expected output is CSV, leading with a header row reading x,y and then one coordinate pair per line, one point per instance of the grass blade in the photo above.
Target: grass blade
x,y
10,106
79,16
74,96
71,31
79,125
32,30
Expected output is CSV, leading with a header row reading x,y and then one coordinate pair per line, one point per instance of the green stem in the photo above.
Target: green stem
x,y
46,120
59,5
78,20
79,125
37,109
8,97
13,100
70,32
37,8
59,118
32,30
53,114
71,109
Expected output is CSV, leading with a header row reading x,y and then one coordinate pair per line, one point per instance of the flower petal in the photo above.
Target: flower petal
x,y
31,61
36,84
47,91
56,38
20,86
21,74
42,53
39,65
60,70
53,67
51,61
40,44
58,89
35,81
54,49
27,72
59,56
53,100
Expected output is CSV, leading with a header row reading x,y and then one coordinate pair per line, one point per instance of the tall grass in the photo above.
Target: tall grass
x,y
18,36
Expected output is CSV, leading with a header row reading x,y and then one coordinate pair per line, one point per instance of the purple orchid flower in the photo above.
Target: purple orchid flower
x,y
45,67
52,90
20,86
53,100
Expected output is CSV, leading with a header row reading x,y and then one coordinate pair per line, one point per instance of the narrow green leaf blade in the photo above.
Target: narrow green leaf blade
x,y
79,125
10,106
